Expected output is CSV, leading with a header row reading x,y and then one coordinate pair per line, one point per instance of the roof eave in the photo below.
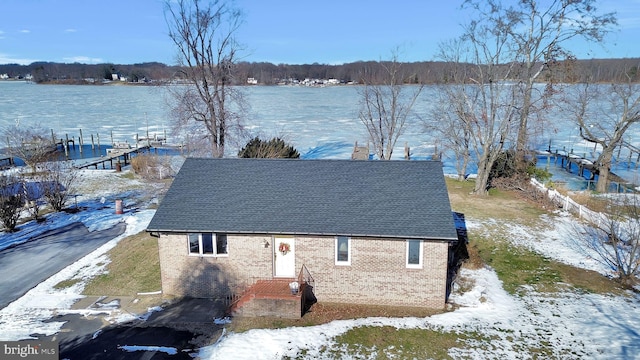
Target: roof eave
x,y
289,233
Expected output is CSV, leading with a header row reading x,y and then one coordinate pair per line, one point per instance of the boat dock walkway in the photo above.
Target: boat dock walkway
x,y
567,159
118,155
586,167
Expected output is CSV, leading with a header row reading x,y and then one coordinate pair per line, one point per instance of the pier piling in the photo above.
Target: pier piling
x,y
80,141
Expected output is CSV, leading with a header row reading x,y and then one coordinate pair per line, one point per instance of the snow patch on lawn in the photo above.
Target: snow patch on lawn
x,y
163,349
569,325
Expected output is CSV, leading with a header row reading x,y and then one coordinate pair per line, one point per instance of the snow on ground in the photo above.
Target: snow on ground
x,y
163,349
29,314
573,325
554,238
97,192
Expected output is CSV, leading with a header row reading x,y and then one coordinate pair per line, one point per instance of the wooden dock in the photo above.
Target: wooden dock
x,y
567,159
119,156
584,167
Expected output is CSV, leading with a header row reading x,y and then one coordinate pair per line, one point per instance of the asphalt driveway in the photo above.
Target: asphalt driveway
x,y
183,325
26,265
175,332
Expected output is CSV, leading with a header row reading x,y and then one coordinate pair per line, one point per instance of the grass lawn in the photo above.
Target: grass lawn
x,y
135,268
515,267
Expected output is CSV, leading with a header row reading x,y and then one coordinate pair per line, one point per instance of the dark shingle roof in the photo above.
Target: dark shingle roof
x,y
406,199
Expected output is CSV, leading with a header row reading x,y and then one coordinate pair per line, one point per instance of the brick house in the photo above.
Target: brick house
x,y
364,232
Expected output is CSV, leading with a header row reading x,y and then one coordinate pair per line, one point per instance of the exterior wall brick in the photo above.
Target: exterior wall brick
x,y
182,274
377,274
289,309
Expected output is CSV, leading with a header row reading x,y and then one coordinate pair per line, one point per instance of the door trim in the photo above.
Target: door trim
x,y
284,264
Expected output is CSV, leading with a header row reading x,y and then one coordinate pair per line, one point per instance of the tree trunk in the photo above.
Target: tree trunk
x,y
602,185
484,168
462,170
222,140
604,167
481,183
628,280
523,132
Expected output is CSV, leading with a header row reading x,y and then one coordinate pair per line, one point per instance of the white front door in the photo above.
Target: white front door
x,y
284,257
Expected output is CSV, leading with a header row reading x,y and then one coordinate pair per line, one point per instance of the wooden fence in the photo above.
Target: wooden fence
x,y
596,218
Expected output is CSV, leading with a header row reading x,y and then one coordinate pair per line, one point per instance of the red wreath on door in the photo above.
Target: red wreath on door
x,y
284,248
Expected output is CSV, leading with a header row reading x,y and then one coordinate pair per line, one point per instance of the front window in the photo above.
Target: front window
x,y
414,254
221,244
194,243
207,244
343,250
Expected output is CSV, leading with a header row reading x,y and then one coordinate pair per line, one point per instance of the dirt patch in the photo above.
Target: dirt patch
x,y
498,204
323,312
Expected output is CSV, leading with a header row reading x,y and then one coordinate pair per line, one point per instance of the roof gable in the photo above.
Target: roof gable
x,y
405,199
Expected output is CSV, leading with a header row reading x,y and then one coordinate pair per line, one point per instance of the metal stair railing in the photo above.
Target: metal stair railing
x,y
305,278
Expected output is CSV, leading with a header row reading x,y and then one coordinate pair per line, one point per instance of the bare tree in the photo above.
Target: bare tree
x,y
32,144
385,106
536,32
452,129
10,201
447,121
616,239
204,34
603,114
482,101
58,181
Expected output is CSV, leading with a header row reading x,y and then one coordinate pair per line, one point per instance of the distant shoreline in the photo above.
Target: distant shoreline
x,y
264,73
80,82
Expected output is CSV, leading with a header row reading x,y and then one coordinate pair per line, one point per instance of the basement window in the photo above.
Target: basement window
x,y
343,250
414,254
207,244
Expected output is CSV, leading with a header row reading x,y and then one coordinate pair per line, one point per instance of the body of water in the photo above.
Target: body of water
x,y
320,122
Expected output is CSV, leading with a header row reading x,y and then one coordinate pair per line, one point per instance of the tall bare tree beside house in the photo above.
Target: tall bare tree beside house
x,y
447,120
204,33
386,104
483,103
451,128
603,114
537,33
